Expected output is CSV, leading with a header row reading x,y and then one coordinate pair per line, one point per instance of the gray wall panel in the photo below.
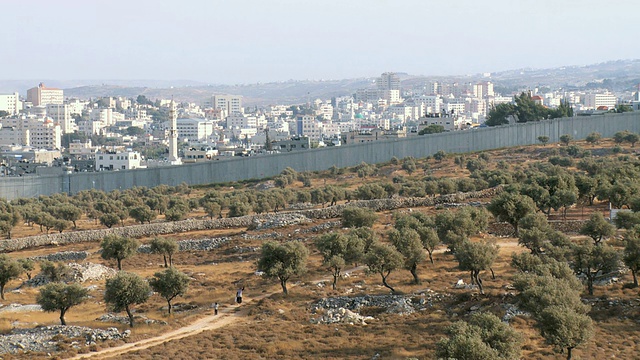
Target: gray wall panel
x,y
320,159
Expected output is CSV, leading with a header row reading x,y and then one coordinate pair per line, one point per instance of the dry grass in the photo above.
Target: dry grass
x,y
279,327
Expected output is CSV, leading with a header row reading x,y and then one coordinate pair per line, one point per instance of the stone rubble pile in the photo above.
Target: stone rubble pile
x,y
46,338
14,308
512,311
62,256
120,319
330,308
322,227
278,220
78,273
192,245
341,315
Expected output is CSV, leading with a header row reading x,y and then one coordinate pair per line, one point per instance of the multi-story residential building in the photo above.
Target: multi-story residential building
x,y
598,101
44,133
203,153
194,130
293,144
388,81
76,106
239,120
230,104
60,113
117,160
433,103
37,132
10,103
307,125
42,95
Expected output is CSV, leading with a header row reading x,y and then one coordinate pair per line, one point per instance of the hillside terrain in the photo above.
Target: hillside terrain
x,y
618,76
361,318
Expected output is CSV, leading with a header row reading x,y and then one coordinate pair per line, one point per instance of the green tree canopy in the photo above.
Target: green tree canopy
x,y
61,297
282,261
383,259
170,284
483,337
118,248
125,290
476,257
165,246
9,269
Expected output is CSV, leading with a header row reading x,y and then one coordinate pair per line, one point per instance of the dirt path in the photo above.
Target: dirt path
x,y
226,316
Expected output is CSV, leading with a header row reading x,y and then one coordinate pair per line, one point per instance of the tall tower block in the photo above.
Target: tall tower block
x,y
173,136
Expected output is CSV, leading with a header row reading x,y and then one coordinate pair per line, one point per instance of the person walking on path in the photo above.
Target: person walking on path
x,y
239,296
215,308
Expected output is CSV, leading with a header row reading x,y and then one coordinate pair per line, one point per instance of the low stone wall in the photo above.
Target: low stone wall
x,y
285,218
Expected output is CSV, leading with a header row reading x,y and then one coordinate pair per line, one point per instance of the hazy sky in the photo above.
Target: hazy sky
x,y
248,41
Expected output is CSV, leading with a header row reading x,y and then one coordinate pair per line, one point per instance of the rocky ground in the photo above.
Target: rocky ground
x,y
46,338
344,309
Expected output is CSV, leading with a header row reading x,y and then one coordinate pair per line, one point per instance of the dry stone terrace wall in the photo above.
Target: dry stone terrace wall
x,y
281,219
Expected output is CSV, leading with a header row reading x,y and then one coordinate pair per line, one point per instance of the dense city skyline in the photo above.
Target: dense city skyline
x,y
258,41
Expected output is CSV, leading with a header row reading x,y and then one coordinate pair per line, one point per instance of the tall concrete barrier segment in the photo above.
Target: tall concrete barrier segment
x,y
243,168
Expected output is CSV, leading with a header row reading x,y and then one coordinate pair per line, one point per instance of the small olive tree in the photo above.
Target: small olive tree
x,y
170,284
9,270
282,261
57,296
165,246
125,290
118,248
476,257
383,259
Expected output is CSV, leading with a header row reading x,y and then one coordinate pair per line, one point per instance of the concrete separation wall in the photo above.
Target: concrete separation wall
x,y
254,167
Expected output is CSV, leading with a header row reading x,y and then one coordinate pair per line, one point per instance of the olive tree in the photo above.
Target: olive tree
x,y
170,284
125,290
511,207
476,257
358,217
337,250
54,271
282,261
383,259
118,248
597,228
165,246
407,242
483,337
58,296
9,270
28,265
565,328
589,260
631,254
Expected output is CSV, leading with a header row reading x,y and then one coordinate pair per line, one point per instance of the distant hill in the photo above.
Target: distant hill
x,y
619,76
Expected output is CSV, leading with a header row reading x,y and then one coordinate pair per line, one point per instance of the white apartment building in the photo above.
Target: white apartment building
x,y
392,96
117,161
37,132
193,130
10,103
239,120
307,125
230,104
595,101
43,133
433,103
76,106
91,127
42,95
60,114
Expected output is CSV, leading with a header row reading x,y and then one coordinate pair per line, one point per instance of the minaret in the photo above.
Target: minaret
x,y
173,136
